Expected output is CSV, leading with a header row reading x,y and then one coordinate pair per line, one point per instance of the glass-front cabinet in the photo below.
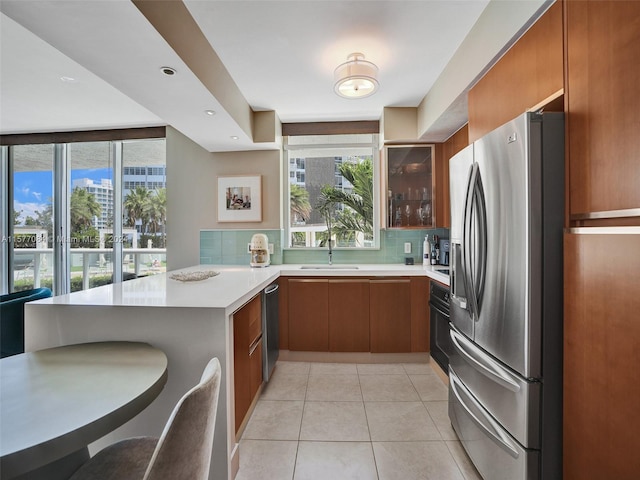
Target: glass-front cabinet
x,y
409,186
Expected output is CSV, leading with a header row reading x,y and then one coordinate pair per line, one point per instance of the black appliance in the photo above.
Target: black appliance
x,y
440,341
444,251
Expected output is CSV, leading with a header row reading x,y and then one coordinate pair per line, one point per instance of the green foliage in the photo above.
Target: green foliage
x,y
300,207
150,207
16,217
86,237
356,214
83,208
76,283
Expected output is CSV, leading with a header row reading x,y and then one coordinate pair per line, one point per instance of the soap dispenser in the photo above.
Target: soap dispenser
x,y
426,248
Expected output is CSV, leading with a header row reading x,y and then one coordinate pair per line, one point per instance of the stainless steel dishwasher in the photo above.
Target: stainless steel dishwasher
x,y
270,330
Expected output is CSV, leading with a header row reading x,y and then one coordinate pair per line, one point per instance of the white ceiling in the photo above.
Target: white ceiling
x,y
281,55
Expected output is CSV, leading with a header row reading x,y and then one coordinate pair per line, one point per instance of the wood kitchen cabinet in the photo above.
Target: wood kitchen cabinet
x,y
247,357
338,314
348,315
390,301
603,85
601,355
308,314
409,186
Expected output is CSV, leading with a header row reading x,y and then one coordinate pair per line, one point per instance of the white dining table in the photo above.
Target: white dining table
x,y
55,402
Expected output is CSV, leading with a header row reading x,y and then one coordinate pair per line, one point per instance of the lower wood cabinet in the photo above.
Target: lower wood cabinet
x,y
390,315
338,314
247,356
309,314
348,315
601,354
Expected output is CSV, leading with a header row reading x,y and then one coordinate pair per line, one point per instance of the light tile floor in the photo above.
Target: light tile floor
x,y
335,421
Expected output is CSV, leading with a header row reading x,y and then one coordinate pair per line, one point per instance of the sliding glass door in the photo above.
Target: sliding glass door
x,y
82,214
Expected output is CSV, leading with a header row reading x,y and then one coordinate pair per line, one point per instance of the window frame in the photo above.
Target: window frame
x,y
286,192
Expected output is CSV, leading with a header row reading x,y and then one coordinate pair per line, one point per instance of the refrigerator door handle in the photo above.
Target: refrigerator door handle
x,y
480,210
467,261
489,426
483,365
456,298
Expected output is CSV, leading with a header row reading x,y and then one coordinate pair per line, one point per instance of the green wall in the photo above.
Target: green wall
x,y
229,247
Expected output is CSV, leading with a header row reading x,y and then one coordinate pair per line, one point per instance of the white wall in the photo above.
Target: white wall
x,y
192,187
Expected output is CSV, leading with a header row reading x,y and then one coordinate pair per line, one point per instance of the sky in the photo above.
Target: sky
x,y
33,190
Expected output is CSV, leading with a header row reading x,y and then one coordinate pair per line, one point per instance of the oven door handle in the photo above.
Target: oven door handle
x,y
439,310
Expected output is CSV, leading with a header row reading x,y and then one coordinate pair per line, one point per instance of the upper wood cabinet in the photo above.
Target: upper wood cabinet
x,y
603,92
444,152
528,74
409,185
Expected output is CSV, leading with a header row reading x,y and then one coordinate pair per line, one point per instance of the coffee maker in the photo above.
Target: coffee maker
x,y
444,251
259,249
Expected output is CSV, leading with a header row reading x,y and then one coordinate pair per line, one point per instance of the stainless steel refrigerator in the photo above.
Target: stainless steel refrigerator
x,y
505,371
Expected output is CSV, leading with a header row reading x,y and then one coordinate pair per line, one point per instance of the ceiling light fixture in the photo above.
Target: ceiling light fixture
x,y
168,71
234,137
356,78
66,79
211,113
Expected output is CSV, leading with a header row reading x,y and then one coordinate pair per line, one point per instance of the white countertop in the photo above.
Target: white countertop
x,y
234,285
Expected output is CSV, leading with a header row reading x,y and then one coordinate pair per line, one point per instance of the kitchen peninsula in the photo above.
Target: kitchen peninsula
x,y
190,321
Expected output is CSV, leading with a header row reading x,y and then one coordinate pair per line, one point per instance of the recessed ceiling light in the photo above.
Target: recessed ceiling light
x,y
168,71
234,137
68,79
211,113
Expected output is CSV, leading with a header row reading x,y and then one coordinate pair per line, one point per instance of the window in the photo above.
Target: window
x,y
68,223
332,183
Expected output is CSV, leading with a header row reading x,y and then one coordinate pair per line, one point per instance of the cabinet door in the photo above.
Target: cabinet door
x,y
241,386
255,368
247,356
309,314
420,314
603,87
254,314
390,304
410,186
348,315
601,354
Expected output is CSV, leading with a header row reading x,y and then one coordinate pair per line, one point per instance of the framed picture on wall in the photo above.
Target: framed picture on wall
x,y
240,198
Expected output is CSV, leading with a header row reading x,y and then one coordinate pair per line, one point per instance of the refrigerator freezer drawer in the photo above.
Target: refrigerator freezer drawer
x,y
509,398
495,453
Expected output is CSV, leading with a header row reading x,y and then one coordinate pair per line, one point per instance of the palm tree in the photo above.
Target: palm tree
x,y
158,212
138,206
300,207
83,208
357,216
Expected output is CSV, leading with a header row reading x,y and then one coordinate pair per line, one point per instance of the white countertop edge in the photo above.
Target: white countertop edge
x,y
232,288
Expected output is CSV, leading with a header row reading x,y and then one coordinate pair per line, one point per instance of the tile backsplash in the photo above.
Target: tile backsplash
x,y
229,247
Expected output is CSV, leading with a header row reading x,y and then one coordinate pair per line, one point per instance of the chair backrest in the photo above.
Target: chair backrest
x,y
184,448
12,319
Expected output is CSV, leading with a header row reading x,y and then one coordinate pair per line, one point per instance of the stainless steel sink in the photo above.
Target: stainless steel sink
x,y
329,267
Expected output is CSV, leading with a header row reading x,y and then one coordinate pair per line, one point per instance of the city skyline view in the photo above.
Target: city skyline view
x,y
32,190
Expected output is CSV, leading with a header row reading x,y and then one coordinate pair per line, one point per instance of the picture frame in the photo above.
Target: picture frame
x,y
240,198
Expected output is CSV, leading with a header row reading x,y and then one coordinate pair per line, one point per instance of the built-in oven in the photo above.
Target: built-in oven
x,y
440,341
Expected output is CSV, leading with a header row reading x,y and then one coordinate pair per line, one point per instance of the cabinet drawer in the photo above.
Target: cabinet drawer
x,y
254,311
255,368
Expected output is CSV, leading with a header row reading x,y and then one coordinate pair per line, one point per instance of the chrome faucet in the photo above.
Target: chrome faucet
x,y
330,254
